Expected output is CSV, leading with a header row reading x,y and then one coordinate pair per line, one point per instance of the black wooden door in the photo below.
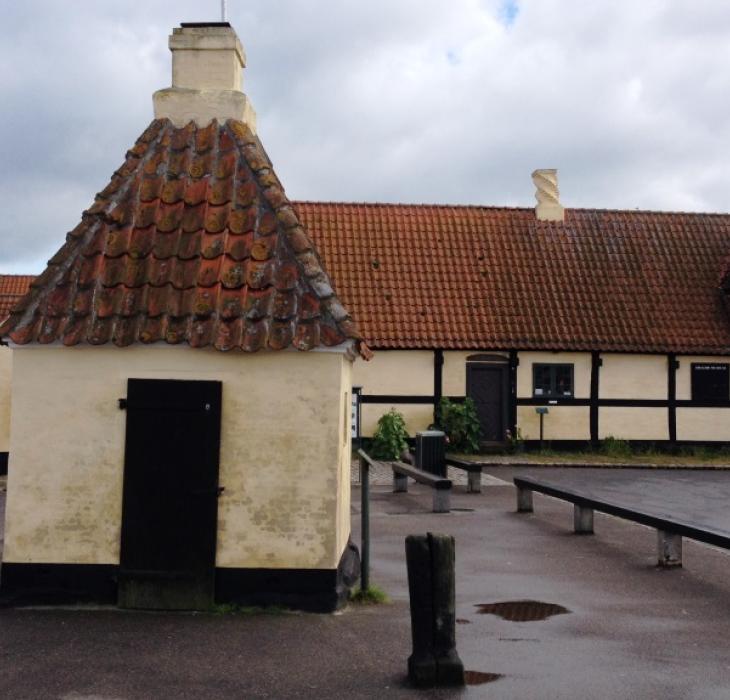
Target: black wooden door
x,y
169,509
487,386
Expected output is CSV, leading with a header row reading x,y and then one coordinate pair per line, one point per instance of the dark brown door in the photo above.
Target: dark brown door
x,y
486,384
169,510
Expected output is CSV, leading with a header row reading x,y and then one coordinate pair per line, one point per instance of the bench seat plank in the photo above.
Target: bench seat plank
x,y
665,524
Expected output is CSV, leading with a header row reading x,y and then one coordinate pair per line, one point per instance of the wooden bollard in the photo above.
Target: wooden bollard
x,y
431,583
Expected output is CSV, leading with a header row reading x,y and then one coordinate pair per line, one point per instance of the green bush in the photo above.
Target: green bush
x,y
614,447
461,424
390,437
372,596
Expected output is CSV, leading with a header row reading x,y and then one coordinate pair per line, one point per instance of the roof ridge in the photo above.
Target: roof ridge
x,y
498,207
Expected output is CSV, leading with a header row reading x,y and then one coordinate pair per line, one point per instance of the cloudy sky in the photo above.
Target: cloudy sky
x,y
452,101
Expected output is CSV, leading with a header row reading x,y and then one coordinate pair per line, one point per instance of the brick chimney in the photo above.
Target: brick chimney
x,y
207,69
548,198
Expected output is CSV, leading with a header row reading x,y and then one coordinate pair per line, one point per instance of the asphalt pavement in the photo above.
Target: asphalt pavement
x,y
631,630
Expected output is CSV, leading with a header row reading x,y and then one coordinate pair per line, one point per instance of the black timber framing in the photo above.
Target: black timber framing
x,y
438,383
313,590
595,382
672,396
514,361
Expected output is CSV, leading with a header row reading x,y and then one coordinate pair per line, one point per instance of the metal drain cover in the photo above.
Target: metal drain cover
x,y
522,610
479,678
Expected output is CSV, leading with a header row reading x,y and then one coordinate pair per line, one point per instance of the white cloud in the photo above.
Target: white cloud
x,y
415,100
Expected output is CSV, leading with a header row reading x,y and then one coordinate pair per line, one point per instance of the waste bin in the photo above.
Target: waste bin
x,y
431,451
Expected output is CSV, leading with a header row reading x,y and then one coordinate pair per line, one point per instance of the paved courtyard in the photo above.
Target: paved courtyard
x,y
632,630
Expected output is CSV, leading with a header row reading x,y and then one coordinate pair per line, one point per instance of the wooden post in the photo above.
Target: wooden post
x,y
431,584
365,525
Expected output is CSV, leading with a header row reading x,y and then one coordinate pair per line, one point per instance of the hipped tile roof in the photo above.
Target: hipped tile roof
x,y
193,241
497,278
12,289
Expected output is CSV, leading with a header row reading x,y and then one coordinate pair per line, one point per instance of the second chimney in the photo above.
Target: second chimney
x,y
548,198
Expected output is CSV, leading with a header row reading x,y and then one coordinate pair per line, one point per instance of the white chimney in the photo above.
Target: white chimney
x,y
207,69
548,198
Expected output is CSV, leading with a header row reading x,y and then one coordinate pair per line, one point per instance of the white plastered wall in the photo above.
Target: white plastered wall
x,y
284,459
633,377
400,373
6,372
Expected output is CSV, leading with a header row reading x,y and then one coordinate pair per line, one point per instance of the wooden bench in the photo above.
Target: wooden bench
x,y
669,532
441,486
473,470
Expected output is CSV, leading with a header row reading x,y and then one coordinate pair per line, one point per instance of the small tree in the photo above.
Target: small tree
x,y
390,437
461,424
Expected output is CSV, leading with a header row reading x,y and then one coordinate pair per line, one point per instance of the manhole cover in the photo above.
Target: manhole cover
x,y
479,678
522,610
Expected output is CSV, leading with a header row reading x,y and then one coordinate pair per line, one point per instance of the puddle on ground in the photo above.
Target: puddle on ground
x,y
479,678
462,510
521,610
462,621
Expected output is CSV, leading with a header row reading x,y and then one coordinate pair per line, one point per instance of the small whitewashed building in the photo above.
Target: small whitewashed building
x,y
182,377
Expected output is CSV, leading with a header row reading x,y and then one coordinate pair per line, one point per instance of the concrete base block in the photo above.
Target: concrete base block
x,y
669,549
441,500
582,520
400,483
524,501
474,482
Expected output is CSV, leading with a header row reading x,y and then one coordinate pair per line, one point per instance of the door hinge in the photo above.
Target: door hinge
x,y
122,404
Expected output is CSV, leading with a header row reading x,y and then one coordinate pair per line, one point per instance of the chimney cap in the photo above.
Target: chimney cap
x,y
198,25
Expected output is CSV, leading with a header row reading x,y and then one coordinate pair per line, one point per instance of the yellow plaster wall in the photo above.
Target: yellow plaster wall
x,y
581,362
282,458
345,458
708,424
684,375
454,370
417,416
6,372
404,372
561,423
628,423
633,377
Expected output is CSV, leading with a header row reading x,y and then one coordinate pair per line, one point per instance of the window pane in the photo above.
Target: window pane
x,y
542,380
563,380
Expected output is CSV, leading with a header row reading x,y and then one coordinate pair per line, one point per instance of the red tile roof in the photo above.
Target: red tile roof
x,y
487,278
12,289
193,241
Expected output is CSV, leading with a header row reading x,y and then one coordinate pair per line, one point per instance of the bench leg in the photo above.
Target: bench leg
x,y
441,500
474,482
400,483
582,520
524,500
669,549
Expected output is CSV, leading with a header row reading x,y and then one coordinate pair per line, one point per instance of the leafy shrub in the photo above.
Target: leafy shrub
x,y
615,447
390,437
461,424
